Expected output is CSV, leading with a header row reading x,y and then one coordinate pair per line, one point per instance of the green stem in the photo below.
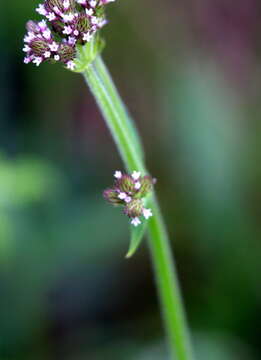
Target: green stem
x,y
128,143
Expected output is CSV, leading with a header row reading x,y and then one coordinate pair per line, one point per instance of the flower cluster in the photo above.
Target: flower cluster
x,y
130,191
67,23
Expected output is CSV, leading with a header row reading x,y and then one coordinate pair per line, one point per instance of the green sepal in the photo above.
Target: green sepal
x,y
137,235
87,53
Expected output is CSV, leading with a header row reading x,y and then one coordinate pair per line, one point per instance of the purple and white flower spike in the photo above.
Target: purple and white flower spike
x,y
69,22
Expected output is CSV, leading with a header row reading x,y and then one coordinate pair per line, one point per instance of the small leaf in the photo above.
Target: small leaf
x,y
137,234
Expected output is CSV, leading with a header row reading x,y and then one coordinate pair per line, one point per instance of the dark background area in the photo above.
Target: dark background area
x,y
190,75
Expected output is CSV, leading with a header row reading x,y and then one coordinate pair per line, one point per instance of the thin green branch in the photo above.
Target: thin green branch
x,y
128,143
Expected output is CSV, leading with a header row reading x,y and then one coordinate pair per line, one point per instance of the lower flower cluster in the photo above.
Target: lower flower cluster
x,y
66,24
130,192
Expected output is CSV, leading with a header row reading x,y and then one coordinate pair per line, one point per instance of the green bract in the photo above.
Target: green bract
x,y
87,53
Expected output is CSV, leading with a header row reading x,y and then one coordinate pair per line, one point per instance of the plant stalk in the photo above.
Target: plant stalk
x,y
129,145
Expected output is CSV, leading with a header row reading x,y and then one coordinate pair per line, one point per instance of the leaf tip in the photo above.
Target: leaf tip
x,y
129,254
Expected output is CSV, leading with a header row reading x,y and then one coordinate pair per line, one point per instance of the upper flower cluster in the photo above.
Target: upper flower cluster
x,y
130,191
67,23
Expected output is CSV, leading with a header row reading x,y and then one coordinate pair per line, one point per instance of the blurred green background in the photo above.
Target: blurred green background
x,y
189,72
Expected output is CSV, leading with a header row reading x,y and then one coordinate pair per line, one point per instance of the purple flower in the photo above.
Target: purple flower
x,y
67,23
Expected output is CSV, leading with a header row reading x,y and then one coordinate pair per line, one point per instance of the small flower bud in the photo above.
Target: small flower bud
x,y
83,24
39,47
112,196
146,185
60,5
66,53
134,208
126,184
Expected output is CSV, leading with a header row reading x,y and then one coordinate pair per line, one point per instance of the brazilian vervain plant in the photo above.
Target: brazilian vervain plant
x,y
69,33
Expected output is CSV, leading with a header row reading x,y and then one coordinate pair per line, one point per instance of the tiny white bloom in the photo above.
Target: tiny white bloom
x,y
47,34
87,37
94,20
135,221
42,25
89,12
76,32
122,195
67,30
51,16
37,60
70,65
26,48
66,4
56,57
54,46
93,3
47,54
135,175
147,213
117,174
41,10
71,40
128,199
27,60
102,22
29,37
137,185
68,17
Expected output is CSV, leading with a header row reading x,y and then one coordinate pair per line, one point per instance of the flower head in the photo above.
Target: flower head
x,y
67,23
130,192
